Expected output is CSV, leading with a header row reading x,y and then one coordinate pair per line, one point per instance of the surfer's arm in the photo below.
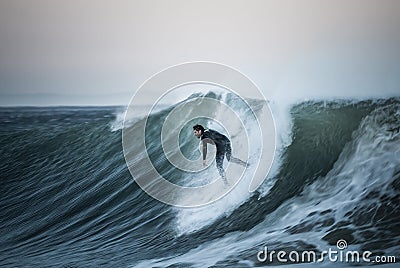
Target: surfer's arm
x,y
204,152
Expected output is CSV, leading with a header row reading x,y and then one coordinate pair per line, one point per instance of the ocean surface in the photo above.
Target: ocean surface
x,y
67,198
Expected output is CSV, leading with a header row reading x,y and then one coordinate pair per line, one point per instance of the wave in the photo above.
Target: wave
x,y
68,198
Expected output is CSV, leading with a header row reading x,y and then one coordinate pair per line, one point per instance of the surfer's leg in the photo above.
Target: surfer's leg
x,y
228,150
219,159
240,162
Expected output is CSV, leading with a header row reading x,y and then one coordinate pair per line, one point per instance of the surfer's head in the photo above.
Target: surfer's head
x,y
198,130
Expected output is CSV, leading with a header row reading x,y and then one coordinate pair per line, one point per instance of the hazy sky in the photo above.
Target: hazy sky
x,y
99,52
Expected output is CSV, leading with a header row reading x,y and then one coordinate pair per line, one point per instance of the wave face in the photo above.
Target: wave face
x,y
68,199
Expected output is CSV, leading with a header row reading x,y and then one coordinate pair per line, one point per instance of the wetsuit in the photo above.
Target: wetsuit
x,y
223,145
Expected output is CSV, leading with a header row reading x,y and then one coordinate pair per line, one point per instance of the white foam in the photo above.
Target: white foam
x,y
141,112
189,220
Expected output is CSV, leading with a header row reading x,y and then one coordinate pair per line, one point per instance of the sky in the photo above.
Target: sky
x,y
55,52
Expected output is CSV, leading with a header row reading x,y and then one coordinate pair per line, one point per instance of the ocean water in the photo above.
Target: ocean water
x,y
68,200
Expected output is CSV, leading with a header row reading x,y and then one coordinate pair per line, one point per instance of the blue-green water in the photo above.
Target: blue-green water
x,y
68,200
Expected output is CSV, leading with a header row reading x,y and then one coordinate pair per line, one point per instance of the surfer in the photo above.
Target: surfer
x,y
223,145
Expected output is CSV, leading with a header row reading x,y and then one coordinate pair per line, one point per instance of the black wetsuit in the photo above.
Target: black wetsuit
x,y
223,145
